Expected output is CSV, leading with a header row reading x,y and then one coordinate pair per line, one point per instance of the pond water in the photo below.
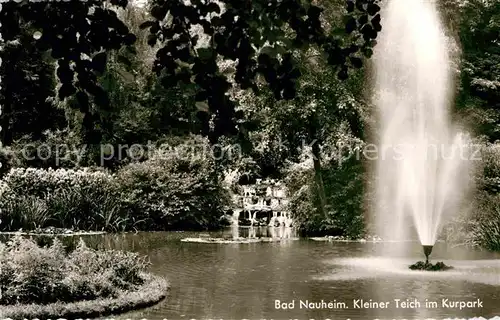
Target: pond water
x,y
242,281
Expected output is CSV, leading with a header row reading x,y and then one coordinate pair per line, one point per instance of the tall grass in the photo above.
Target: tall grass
x,y
72,199
29,212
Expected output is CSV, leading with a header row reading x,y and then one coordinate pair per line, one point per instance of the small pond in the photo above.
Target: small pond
x,y
243,281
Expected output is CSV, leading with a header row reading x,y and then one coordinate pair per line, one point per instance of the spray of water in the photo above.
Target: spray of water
x,y
423,159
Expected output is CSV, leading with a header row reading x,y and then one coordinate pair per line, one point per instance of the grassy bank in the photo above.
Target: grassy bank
x,y
44,282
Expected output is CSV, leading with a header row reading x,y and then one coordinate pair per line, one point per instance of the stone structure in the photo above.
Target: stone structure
x,y
264,203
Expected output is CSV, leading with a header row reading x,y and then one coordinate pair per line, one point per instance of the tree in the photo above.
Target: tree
x,y
256,34
479,93
325,113
259,35
78,35
27,90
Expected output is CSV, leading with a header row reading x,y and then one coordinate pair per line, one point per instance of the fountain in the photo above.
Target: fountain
x,y
420,171
427,252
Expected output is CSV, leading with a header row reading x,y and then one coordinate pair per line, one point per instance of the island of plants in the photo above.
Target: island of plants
x,y
427,266
48,282
236,240
347,239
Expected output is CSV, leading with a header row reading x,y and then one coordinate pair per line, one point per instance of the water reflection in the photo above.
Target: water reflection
x,y
235,232
253,232
281,232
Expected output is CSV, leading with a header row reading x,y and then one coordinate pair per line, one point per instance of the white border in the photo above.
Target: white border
x,y
1,47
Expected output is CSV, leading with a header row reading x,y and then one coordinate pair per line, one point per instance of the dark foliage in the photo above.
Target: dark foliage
x,y
427,266
27,90
78,35
261,36
479,94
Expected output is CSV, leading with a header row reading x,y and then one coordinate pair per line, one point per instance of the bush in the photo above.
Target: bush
x,y
40,183
56,149
488,171
173,190
480,225
64,198
344,188
486,221
43,275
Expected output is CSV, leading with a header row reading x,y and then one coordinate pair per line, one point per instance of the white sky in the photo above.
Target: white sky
x,y
139,3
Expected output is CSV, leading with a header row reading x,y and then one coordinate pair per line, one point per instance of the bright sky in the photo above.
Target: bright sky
x,y
139,3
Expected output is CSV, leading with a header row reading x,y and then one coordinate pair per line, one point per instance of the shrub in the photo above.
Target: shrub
x,y
42,275
64,198
486,221
344,187
489,232
177,189
39,182
56,148
173,190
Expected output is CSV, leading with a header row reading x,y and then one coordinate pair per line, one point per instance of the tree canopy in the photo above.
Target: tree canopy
x,y
260,36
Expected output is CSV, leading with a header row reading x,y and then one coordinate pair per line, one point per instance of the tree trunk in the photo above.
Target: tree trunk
x,y
318,175
318,178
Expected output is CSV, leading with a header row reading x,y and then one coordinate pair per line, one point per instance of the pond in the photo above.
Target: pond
x,y
243,281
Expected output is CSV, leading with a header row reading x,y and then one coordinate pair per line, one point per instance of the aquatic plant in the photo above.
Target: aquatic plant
x,y
427,266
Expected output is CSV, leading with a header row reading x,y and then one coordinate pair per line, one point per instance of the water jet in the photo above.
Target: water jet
x,y
419,175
